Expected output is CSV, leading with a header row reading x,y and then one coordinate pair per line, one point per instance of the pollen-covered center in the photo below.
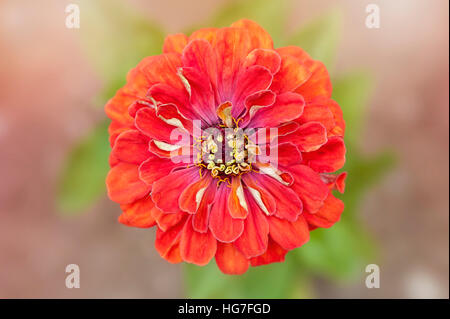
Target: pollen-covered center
x,y
225,152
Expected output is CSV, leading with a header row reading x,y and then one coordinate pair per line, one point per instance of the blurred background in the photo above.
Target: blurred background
x,y
392,83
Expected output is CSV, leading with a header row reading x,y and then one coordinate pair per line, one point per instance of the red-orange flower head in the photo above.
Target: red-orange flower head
x,y
217,195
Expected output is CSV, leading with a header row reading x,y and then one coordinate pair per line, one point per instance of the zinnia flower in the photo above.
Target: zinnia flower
x,y
205,200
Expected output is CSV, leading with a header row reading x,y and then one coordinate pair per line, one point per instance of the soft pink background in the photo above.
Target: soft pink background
x,y
46,89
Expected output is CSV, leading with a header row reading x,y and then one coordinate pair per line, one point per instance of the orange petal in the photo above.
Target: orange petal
x,y
175,43
260,38
124,185
319,83
208,34
139,213
230,260
291,75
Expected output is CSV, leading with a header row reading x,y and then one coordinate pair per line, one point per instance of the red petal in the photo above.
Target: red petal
x,y
195,247
232,45
287,107
139,213
222,225
230,260
274,253
170,111
151,125
167,242
318,112
254,79
166,220
289,235
200,55
131,147
267,199
156,167
289,206
329,158
175,43
202,97
234,204
167,190
309,187
308,137
124,185
264,57
253,241
335,181
328,215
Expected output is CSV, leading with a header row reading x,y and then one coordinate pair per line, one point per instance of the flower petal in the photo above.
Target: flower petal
x,y
328,215
309,187
131,147
237,203
254,79
224,228
232,45
287,107
259,37
167,190
289,235
264,57
291,75
124,185
230,260
138,213
329,158
156,167
175,43
308,137
289,206
195,247
319,83
274,254
167,242
253,241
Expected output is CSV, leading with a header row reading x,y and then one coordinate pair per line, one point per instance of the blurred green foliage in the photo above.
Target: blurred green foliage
x,y
116,38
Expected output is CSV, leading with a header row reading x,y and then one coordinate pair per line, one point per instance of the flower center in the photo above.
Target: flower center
x,y
225,152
